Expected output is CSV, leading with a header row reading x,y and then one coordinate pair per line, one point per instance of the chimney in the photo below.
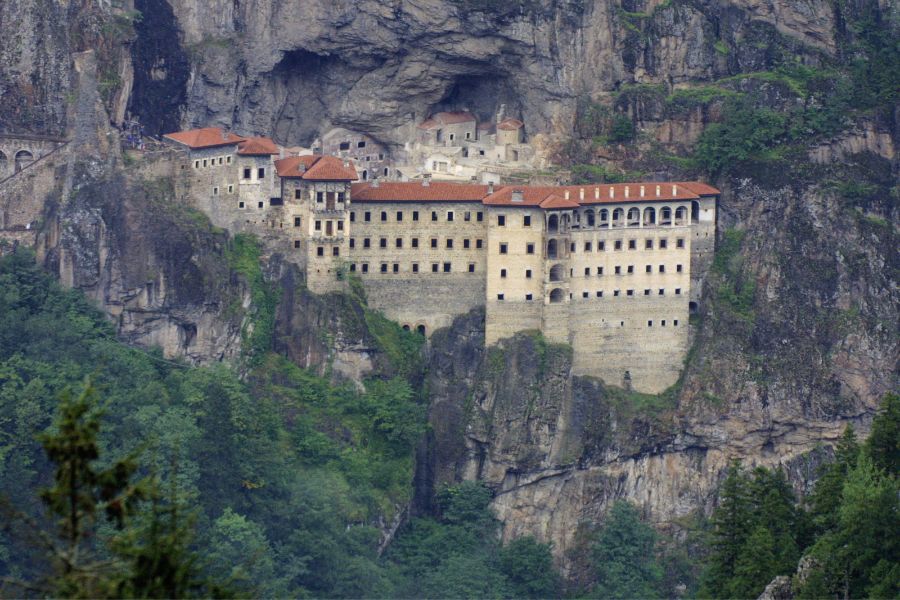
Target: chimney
x,y
301,167
642,191
566,195
346,163
517,196
490,187
674,190
596,193
657,191
581,194
224,133
612,191
626,191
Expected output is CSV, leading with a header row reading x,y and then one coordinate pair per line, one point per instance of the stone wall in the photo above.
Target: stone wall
x,y
23,197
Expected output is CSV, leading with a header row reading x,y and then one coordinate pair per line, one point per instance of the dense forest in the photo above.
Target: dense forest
x,y
126,473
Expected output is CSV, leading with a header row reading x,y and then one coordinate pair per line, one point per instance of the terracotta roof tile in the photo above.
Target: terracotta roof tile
x,y
702,189
257,146
554,201
207,137
596,194
315,167
414,191
510,124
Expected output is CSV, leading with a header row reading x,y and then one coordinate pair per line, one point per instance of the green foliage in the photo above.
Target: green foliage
x,y
735,292
745,132
244,257
731,528
883,445
528,567
582,174
625,557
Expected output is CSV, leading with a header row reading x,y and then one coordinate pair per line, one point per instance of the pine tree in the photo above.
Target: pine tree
x,y
625,556
774,510
883,445
756,566
826,496
731,522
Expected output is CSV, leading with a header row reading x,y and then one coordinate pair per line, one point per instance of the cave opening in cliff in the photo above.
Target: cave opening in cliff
x,y
482,95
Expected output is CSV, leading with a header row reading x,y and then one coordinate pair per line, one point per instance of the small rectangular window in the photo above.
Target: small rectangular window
x,y
259,204
630,293
503,248
600,294
296,243
618,245
240,205
649,323
352,243
648,269
675,323
415,242
502,273
480,216
529,248
435,267
384,267
415,215
449,215
320,251
318,226
587,271
471,267
340,225
353,267
361,144
501,220
663,244
261,173
336,251
466,243
528,297
196,164
587,246
647,292
662,292
434,215
367,242
526,220
446,267
352,216
678,268
399,216
632,244
615,292
601,246
434,242
449,244
365,267
230,189
479,243
527,273
228,159
648,244
399,242
320,197
618,270
367,217
204,162
415,267
499,296
679,243
677,291
247,172
382,243
584,294
298,194
467,216
383,216
396,267
662,268
215,191
599,270
630,269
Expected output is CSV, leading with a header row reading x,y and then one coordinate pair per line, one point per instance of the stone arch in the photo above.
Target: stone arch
x,y
649,216
604,217
589,218
365,174
406,327
618,217
634,216
552,249
681,215
557,295
23,159
665,215
386,171
557,273
695,211
553,224
420,329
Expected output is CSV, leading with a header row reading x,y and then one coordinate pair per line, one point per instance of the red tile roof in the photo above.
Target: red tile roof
x,y
315,167
701,189
447,118
510,124
598,194
414,191
257,146
554,201
207,137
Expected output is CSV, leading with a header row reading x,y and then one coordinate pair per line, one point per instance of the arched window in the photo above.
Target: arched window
x,y
553,224
604,218
634,217
385,171
420,330
695,211
552,249
665,216
557,272
406,328
365,175
618,217
589,218
23,159
681,215
557,295
649,216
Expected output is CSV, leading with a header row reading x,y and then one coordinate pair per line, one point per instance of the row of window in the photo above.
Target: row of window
x,y
212,162
599,294
414,243
436,267
449,216
662,244
629,270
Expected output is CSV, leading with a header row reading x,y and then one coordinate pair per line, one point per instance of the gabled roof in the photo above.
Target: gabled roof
x,y
510,124
583,195
315,167
701,189
409,191
447,118
257,146
554,201
207,137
